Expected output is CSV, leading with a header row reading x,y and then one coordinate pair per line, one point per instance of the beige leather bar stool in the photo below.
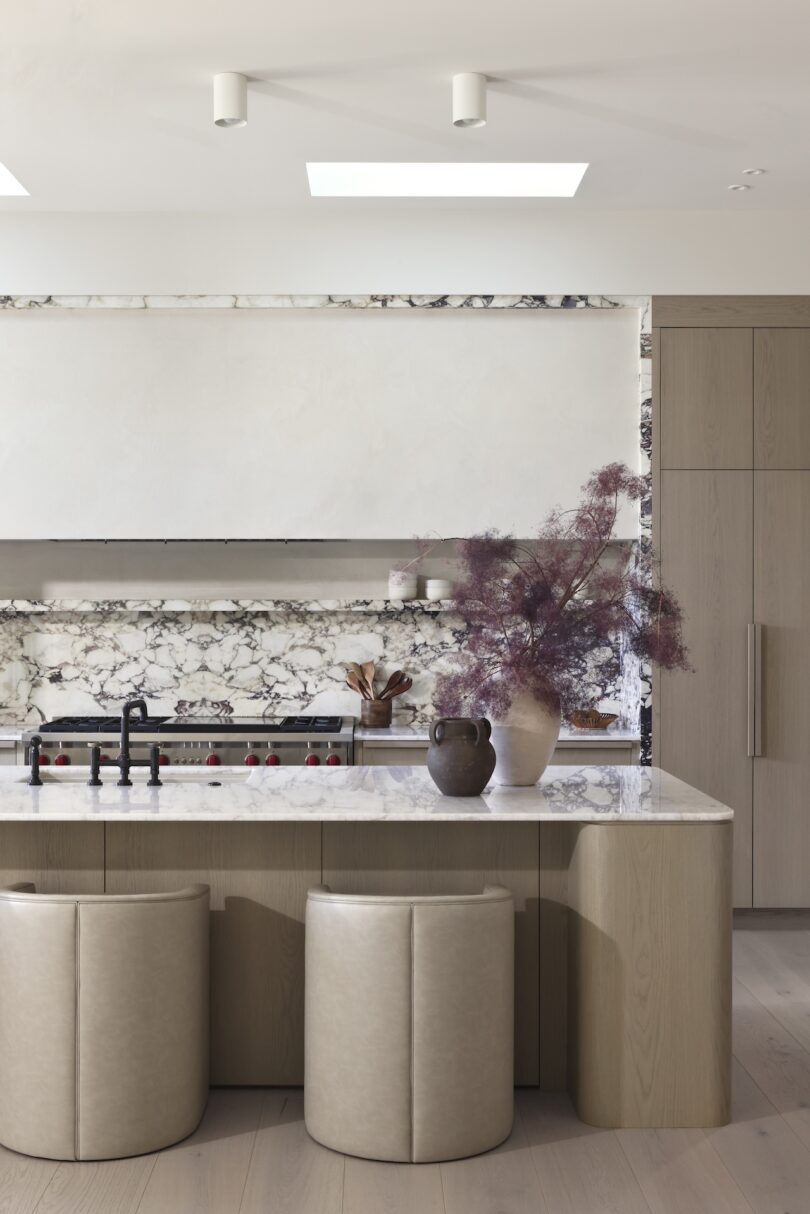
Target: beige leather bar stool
x,y
103,1021
409,1033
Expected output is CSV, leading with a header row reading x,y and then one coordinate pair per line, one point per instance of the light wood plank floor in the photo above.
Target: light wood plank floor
x,y
252,1155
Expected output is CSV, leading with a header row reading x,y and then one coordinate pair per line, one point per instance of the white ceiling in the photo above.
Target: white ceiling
x,y
106,105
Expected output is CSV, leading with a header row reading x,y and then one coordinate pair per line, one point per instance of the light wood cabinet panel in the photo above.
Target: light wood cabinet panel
x,y
59,857
789,311
8,754
259,875
452,858
782,607
706,398
666,1062
707,559
782,398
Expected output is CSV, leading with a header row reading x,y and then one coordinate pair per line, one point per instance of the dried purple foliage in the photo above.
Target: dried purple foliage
x,y
539,615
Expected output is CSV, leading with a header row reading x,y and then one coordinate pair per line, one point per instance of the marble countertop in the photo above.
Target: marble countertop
x,y
415,734
352,794
15,733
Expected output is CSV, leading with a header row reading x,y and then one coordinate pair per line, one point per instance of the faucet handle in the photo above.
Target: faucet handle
x,y
154,766
35,780
95,766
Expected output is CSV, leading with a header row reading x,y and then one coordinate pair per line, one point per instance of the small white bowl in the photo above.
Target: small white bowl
x,y
438,588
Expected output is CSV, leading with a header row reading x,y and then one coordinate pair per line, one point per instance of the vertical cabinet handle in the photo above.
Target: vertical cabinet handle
x,y
754,690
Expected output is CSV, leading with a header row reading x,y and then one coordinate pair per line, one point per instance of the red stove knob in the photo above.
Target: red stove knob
x,y
333,760
251,760
43,759
312,761
272,760
163,760
214,761
104,758
61,760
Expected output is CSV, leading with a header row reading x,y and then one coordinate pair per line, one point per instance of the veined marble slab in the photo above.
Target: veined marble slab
x,y
354,794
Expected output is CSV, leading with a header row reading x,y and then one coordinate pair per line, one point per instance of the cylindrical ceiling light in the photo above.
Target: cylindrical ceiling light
x,y
230,99
469,99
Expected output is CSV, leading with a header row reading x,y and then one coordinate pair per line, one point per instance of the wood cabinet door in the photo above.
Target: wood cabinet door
x,y
782,398
782,607
707,559
706,398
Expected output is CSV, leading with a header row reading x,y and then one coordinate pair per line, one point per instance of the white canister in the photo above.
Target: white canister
x,y
402,584
438,588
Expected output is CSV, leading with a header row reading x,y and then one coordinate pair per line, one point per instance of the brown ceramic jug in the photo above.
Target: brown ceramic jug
x,y
461,758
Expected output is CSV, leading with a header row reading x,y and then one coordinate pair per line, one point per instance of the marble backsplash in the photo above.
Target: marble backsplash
x,y
57,662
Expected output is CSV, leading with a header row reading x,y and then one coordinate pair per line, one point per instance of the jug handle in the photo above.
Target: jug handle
x,y
437,732
483,730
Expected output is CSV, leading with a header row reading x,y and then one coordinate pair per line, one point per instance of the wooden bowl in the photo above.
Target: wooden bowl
x,y
589,718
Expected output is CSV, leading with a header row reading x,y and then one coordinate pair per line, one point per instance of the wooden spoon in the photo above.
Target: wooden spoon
x,y
395,677
403,685
393,688
357,684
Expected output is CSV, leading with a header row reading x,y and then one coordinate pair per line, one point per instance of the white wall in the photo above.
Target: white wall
x,y
310,423
385,249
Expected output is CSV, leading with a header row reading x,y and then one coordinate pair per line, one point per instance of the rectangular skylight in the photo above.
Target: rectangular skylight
x,y
9,184
443,180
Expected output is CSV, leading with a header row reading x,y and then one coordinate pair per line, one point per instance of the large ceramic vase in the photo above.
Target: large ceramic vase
x,y
460,758
524,741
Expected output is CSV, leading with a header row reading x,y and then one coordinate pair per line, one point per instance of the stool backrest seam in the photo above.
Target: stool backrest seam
x,y
77,1033
413,1040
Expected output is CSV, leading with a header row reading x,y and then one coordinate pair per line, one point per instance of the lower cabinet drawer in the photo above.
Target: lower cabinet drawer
x,y
595,756
376,754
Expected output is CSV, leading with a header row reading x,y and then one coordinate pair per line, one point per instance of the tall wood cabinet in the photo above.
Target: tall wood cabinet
x,y
731,467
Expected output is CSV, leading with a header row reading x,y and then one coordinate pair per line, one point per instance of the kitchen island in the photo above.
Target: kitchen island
x,y
621,878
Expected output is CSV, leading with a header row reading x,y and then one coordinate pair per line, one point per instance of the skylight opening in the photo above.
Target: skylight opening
x,y
9,185
333,179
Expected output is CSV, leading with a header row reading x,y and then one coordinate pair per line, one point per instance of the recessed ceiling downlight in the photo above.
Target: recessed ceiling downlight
x,y
737,188
9,185
408,179
754,172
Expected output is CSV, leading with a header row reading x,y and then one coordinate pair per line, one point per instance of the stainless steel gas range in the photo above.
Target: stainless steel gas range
x,y
211,741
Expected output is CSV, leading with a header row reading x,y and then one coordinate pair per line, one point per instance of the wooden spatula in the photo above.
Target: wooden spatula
x,y
369,670
357,684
